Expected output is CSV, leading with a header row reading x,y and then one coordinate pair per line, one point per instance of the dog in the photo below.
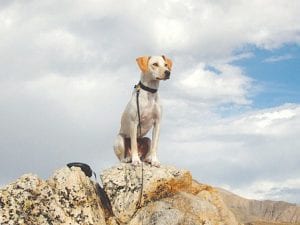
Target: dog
x,y
143,112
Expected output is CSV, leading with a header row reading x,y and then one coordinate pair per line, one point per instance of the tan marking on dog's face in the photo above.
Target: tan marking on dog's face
x,y
159,68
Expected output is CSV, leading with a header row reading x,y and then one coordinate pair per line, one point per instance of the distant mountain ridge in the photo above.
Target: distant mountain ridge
x,y
271,212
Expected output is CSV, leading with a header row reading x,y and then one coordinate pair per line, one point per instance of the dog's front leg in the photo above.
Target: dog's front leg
x,y
134,148
152,157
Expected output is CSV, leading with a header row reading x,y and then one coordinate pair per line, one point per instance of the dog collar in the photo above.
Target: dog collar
x,y
141,86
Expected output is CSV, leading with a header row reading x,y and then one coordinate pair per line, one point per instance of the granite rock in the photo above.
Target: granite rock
x,y
138,195
166,195
68,197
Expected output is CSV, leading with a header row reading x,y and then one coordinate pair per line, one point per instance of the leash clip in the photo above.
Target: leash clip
x,y
137,87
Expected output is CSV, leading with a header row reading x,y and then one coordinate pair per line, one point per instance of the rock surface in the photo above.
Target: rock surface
x,y
168,196
68,197
138,195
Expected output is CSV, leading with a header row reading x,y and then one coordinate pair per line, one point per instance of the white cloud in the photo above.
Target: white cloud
x,y
205,29
278,58
65,45
267,123
259,145
269,189
224,84
214,30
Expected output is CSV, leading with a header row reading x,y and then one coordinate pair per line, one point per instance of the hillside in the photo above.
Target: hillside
x,y
273,212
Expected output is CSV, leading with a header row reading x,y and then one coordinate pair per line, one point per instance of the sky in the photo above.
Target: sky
x,y
231,110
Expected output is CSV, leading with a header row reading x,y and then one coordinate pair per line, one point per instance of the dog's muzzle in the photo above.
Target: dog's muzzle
x,y
167,74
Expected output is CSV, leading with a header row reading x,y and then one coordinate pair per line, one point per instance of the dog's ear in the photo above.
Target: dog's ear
x,y
168,62
143,63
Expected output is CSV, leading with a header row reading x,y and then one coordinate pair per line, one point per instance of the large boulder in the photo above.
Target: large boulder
x,y
137,195
161,196
68,197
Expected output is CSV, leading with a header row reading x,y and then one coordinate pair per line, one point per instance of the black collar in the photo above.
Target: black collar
x,y
140,85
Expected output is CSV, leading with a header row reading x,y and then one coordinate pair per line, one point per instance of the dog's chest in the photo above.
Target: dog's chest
x,y
149,112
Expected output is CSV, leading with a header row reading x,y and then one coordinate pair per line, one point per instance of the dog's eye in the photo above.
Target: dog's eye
x,y
166,65
155,64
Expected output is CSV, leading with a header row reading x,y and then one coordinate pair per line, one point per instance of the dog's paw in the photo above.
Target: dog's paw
x,y
136,162
153,161
126,160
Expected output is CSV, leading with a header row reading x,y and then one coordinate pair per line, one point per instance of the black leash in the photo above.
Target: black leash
x,y
138,88
86,169
139,204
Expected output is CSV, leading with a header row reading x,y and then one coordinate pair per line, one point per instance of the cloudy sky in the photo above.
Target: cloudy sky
x,y
231,107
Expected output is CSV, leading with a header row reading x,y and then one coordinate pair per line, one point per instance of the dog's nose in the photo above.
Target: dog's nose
x,y
167,74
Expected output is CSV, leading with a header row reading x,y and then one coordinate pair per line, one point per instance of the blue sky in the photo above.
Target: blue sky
x,y
231,108
277,72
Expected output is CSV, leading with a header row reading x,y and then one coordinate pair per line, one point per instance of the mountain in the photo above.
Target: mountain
x,y
267,212
142,195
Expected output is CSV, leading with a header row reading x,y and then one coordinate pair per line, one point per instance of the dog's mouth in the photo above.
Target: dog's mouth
x,y
165,78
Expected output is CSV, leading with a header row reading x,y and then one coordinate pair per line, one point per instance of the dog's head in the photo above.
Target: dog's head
x,y
156,67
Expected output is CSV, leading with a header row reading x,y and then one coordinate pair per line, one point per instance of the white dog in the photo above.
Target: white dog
x,y
143,111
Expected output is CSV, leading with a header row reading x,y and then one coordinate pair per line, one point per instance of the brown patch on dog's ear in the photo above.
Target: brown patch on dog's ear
x,y
143,63
168,62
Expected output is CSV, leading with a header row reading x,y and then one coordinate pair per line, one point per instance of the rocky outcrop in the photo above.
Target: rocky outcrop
x,y
161,196
138,195
68,197
267,212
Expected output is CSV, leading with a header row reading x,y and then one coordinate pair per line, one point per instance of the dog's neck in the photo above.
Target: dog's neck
x,y
154,84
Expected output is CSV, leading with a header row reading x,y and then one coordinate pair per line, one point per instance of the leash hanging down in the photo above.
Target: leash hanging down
x,y
138,88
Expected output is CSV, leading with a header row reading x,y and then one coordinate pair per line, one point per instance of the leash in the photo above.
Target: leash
x,y
138,88
139,204
86,169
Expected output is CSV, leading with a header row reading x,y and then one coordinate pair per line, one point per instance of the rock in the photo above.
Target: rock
x,y
76,194
169,196
66,198
182,208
